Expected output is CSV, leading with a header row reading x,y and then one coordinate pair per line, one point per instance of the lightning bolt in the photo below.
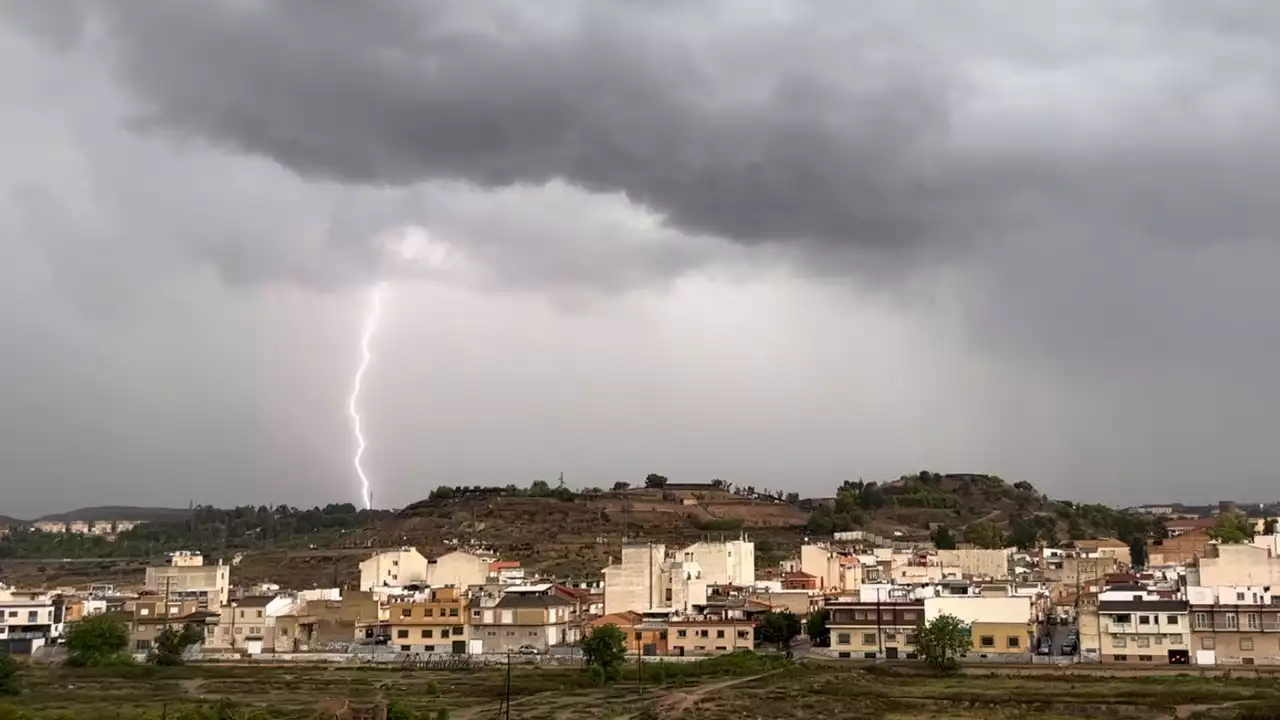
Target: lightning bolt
x,y
353,404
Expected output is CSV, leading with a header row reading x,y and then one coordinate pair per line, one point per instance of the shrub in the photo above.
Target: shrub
x,y
10,675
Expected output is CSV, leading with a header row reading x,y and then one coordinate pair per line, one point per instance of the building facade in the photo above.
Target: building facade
x,y
1234,625
882,629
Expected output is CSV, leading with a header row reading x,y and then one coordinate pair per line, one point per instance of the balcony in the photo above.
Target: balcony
x,y
1149,629
1261,626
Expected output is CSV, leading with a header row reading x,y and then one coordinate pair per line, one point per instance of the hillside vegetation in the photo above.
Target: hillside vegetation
x,y
559,530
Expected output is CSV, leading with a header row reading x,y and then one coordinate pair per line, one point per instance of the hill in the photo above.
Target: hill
x,y
109,513
574,533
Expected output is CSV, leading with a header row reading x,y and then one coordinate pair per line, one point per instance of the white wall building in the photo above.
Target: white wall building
x,y
29,620
186,577
393,568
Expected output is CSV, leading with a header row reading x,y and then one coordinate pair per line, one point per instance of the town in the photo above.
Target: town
x,y
1198,596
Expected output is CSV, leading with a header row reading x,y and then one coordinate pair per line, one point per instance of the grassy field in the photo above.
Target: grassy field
x,y
723,689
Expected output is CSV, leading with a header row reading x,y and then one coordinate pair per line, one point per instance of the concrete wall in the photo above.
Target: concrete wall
x,y
979,609
633,583
1239,565
732,562
977,562
457,568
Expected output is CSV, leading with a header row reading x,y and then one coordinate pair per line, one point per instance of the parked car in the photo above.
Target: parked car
x,y
1046,647
529,650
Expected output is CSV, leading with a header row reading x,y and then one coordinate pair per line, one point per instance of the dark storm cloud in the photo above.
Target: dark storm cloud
x,y
899,126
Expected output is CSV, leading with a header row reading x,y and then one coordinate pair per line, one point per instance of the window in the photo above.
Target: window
x,y
868,639
1175,639
402,634
1013,641
668,594
33,616
457,630
842,638
1144,658
240,630
533,633
1233,622
1159,639
987,641
891,637
1246,643
1251,621
857,615
911,638
511,633
1239,597
1171,620
405,648
1121,658
1144,642
1202,620
453,612
639,636
1246,661
259,613
475,614
13,613
406,612
1120,642
428,633
682,633
719,634
1144,619
746,635
491,633
1206,643
909,615
1123,619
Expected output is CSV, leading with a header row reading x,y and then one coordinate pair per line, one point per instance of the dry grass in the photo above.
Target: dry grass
x,y
723,690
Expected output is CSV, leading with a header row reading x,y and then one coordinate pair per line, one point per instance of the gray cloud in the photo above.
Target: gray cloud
x,y
886,129
1048,230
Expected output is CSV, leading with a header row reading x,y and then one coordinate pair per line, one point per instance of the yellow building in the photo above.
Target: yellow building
x,y
434,622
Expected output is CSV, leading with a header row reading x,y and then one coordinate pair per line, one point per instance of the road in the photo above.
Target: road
x,y
1060,635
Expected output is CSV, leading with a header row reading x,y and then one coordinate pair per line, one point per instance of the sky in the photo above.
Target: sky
x,y
781,244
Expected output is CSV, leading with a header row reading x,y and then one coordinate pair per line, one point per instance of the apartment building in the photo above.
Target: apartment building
x,y
29,620
532,615
1137,626
1247,565
649,576
1235,625
434,621
883,626
249,624
706,635
186,577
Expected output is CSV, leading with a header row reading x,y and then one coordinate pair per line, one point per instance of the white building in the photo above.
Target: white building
x,y
29,620
648,576
393,568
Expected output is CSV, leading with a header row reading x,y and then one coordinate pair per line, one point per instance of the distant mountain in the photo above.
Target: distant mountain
x,y
6,521
107,513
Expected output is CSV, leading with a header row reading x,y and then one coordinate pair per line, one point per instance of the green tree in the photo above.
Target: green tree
x,y
817,630
621,485
539,488
10,675
1023,534
98,640
1137,553
942,641
942,538
656,481
606,648
821,521
171,643
984,534
1232,528
780,628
